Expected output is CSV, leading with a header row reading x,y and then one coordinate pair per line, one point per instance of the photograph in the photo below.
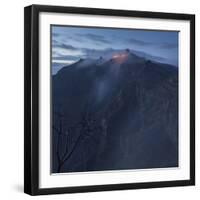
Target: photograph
x,y
109,99
114,99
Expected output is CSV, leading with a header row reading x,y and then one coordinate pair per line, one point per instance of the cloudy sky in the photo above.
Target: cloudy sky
x,y
69,44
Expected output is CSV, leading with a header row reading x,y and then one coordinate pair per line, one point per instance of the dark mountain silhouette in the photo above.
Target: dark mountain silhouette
x,y
115,114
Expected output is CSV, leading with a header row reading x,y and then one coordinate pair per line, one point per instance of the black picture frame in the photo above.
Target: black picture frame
x,y
31,99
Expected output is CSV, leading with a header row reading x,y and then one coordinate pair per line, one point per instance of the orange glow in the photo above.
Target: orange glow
x,y
120,58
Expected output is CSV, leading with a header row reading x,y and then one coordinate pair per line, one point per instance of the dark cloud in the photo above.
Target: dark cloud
x,y
64,46
159,45
55,34
94,37
55,42
67,57
139,42
168,46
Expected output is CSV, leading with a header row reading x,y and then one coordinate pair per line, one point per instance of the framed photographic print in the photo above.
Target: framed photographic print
x,y
109,100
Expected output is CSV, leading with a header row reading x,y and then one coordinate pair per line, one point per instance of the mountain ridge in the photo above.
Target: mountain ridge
x,y
101,60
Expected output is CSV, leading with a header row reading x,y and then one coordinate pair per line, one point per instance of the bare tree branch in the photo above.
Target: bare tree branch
x,y
87,126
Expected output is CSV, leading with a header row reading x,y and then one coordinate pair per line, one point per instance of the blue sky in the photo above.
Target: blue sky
x,y
69,44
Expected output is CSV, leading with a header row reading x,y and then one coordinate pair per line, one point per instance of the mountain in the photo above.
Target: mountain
x,y
107,54
117,113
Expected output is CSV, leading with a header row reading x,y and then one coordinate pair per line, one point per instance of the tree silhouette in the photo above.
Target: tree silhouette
x,y
85,127
64,135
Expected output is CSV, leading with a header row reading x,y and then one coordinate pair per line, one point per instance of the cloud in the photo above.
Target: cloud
x,y
64,46
139,42
168,46
158,45
62,52
65,52
66,57
55,42
55,34
94,37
